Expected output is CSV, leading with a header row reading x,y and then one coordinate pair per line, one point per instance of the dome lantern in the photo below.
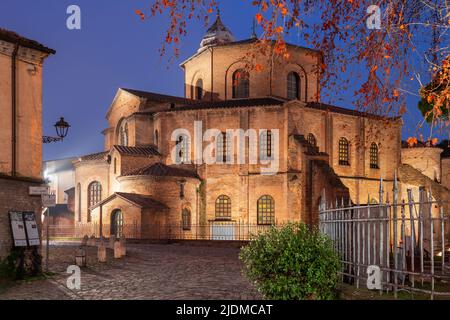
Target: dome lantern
x,y
218,33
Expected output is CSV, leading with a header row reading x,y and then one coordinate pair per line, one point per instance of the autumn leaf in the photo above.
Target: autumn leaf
x,y
279,29
259,17
258,67
411,141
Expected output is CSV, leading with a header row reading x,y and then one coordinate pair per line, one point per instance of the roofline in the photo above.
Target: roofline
x,y
13,37
117,194
197,107
244,42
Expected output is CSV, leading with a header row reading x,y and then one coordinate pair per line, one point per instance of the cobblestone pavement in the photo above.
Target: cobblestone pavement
x,y
150,271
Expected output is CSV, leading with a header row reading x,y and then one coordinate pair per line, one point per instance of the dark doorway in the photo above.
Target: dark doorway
x,y
117,223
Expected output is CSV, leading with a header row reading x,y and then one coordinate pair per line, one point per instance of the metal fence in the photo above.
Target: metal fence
x,y
230,231
407,240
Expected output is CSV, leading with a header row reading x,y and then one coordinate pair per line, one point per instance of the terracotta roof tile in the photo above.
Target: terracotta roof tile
x,y
153,96
137,151
331,108
95,156
13,37
161,170
234,103
140,200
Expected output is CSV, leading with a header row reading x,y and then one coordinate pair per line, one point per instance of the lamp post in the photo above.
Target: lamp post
x,y
62,128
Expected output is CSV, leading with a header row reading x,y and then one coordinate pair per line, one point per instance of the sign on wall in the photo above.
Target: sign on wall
x,y
18,229
24,228
31,228
37,191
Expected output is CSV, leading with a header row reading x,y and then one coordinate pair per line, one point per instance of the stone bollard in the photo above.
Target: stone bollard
x,y
80,257
91,242
112,240
117,250
84,241
101,252
123,245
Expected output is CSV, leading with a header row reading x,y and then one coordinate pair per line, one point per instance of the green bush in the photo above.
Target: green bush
x,y
292,262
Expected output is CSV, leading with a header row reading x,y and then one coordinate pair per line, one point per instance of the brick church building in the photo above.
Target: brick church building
x,y
139,185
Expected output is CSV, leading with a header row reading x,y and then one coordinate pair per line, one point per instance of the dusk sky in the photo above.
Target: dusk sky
x,y
115,49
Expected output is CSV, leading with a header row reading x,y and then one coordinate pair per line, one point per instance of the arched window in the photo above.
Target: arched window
x,y
223,207
293,86
241,84
223,148
265,145
266,210
374,163
183,149
312,140
156,139
344,156
79,201
199,89
94,195
186,219
123,133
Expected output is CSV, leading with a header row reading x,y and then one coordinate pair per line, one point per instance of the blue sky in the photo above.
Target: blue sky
x,y
114,49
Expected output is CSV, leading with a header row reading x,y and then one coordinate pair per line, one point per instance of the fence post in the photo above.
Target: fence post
x,y
430,206
395,202
413,233
403,237
421,215
441,217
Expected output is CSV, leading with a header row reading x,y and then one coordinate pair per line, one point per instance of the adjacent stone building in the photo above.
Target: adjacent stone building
x,y
156,175
21,68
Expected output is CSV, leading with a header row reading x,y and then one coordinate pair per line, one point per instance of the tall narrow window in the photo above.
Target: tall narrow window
x,y
223,148
265,145
94,196
183,149
79,201
344,157
223,207
266,210
123,133
115,165
156,139
186,219
312,139
293,86
199,89
241,84
374,161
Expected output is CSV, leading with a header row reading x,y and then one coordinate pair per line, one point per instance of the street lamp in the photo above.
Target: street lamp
x,y
62,127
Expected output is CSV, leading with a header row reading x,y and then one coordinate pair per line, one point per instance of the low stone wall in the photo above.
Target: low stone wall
x,y
14,197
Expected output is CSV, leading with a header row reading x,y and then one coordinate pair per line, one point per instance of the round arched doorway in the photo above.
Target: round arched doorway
x,y
117,223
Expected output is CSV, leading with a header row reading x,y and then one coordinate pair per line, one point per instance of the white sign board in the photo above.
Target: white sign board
x,y
18,229
37,191
48,200
32,228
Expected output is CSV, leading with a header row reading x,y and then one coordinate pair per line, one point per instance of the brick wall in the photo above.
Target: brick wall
x,y
14,196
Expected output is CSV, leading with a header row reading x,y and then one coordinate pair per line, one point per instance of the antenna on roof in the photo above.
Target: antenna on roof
x,y
254,36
